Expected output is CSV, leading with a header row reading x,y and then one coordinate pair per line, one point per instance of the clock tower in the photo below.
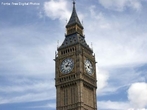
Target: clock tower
x,y
75,70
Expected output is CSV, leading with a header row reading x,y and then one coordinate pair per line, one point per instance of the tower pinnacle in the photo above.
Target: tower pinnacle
x,y
74,25
74,18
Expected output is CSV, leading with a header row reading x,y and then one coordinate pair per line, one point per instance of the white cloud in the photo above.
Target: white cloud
x,y
28,97
57,9
102,78
137,95
120,5
37,87
110,105
117,50
27,61
99,19
27,55
116,105
116,40
27,92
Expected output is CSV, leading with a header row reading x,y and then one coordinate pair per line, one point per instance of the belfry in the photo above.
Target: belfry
x,y
75,70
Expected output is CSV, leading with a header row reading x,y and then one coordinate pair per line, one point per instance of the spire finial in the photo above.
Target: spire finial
x,y
74,2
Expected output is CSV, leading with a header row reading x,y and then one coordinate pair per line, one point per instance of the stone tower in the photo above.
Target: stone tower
x,y
75,66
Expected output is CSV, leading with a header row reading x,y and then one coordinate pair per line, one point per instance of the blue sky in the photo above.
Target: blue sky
x,y
29,34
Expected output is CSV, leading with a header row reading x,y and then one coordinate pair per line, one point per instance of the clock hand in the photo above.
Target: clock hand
x,y
67,64
88,66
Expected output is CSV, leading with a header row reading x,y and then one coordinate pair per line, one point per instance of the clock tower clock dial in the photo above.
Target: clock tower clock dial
x,y
67,66
88,67
75,70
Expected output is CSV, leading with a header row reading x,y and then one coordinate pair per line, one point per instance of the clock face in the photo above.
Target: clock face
x,y
88,67
67,65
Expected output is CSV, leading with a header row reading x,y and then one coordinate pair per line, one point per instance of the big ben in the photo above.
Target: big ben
x,y
75,70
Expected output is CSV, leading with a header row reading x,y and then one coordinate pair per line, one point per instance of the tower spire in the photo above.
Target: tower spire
x,y
74,25
74,17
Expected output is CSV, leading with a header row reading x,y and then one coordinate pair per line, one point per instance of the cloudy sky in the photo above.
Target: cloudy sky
x,y
30,32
